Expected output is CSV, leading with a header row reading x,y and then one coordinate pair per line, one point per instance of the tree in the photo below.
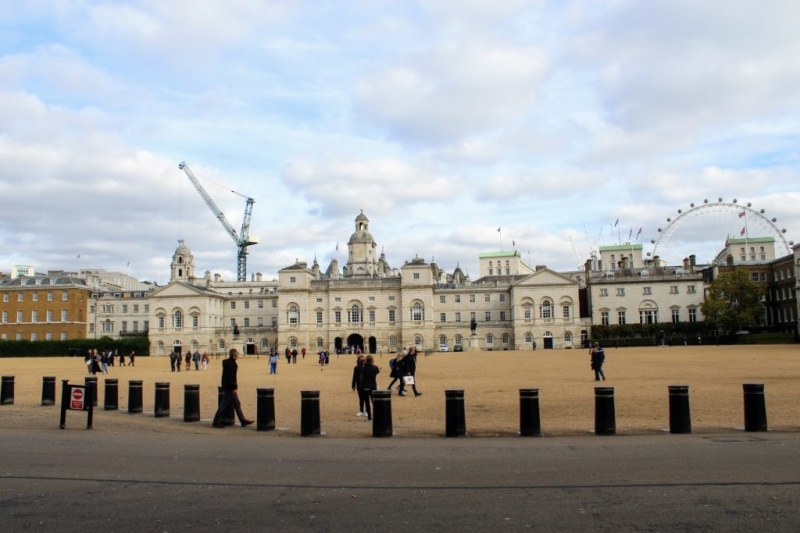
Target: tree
x,y
733,302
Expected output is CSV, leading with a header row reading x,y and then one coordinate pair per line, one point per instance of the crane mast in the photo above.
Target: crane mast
x,y
242,239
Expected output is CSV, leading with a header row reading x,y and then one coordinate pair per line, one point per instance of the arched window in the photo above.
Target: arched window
x,y
418,341
320,342
354,315
489,339
293,316
457,340
194,346
442,340
392,342
546,310
160,346
568,337
417,312
177,319
528,338
292,343
506,338
264,344
221,344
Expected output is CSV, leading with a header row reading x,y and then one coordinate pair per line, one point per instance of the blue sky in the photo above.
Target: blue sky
x,y
442,120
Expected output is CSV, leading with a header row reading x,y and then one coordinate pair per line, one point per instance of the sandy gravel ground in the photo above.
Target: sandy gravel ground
x,y
491,381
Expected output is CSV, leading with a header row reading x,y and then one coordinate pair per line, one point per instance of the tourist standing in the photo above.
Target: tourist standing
x,y
355,384
196,359
273,362
598,357
132,358
204,360
230,391
369,383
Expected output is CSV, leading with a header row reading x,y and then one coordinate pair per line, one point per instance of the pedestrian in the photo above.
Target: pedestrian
x,y
122,359
230,394
355,384
394,370
273,362
322,357
104,360
88,359
294,356
111,357
196,359
172,361
131,358
598,357
288,356
188,360
369,383
408,369
96,361
204,360
303,352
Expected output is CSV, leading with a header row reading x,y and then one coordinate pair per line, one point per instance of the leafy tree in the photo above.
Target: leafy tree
x,y
733,302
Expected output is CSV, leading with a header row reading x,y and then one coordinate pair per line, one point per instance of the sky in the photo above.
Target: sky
x,y
457,127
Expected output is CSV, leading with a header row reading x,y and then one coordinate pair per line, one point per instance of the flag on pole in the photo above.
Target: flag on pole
x,y
129,263
615,223
630,234
741,214
638,233
742,232
498,228
79,256
337,246
513,242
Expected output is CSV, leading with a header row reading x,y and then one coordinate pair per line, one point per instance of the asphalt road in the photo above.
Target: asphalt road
x,y
238,480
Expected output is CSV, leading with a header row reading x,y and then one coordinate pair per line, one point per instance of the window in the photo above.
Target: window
x,y
472,298
337,299
5,317
63,335
160,321
442,340
502,297
528,338
487,317
416,313
489,339
458,298
472,316
294,315
177,320
195,321
621,318
221,344
491,271
603,292
442,317
49,315
646,290
246,322
417,341
354,315
49,296
506,338
18,336
692,314
34,316
261,303
568,337
487,298
372,316
274,321
146,308
416,275
319,317
442,299
19,316
20,297
458,317
48,336
604,318
337,317
35,296
526,311
391,298
502,316
565,311
64,296
676,316
673,289
648,316
261,321
690,289
5,297
545,310
233,305
247,304
620,291
457,340
135,325
754,276
371,298
391,316
292,279
63,315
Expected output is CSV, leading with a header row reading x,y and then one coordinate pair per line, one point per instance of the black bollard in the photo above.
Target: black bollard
x,y
755,410
49,390
91,389
162,400
679,419
309,413
265,409
228,417
134,396
382,413
455,418
530,424
191,403
605,421
7,391
111,399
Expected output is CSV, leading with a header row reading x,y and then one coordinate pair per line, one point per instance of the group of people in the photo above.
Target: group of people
x,y
176,360
291,355
98,362
403,368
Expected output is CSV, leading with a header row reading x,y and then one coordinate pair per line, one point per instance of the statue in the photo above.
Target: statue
x,y
473,325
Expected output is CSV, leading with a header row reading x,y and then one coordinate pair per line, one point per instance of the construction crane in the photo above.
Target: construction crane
x,y
243,238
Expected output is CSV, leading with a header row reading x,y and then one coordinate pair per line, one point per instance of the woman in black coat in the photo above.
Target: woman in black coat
x,y
369,383
356,385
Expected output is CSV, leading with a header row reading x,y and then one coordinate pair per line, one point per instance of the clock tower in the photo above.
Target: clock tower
x,y
361,260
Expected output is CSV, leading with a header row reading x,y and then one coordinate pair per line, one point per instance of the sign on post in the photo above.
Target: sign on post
x,y
77,398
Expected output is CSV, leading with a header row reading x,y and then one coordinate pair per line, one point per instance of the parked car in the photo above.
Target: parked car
x,y
458,348
444,348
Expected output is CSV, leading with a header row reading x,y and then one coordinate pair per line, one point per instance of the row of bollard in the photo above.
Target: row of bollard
x,y
755,416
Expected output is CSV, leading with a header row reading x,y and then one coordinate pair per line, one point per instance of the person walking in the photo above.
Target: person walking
x,y
204,360
394,369
172,361
230,394
288,356
369,383
408,368
188,360
355,384
303,352
132,358
598,357
196,359
273,362
294,356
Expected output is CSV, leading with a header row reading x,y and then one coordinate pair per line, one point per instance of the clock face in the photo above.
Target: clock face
x,y
359,254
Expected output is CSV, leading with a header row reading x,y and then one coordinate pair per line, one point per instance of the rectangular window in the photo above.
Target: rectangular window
x,y
603,292
621,318
63,315
246,322
233,322
19,316
261,303
372,316
673,289
261,321
648,317
274,321
63,335
319,317
487,298
5,317
34,316
64,296
676,316
391,316
233,305
416,275
526,312
502,297
472,298
690,289
160,322
458,298
33,336
754,276
292,279
146,308
565,311
135,325
472,315
18,336
391,298
337,317
20,297
371,298
135,308
442,317
604,318
124,308
502,316
442,299
49,296
5,297
48,335
274,303
692,314
35,296
124,328
195,321
487,316
620,291
646,291
247,304
458,317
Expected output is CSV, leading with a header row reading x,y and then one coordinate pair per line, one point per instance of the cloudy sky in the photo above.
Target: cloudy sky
x,y
568,125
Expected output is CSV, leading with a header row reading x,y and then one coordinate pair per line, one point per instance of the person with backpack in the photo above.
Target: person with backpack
x,y
394,369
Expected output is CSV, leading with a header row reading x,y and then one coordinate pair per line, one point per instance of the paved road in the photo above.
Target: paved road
x,y
83,481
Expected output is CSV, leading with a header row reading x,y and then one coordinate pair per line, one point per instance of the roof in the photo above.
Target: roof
x,y
750,240
621,247
512,253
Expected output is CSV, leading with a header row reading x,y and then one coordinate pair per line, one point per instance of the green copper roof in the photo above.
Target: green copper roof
x,y
622,247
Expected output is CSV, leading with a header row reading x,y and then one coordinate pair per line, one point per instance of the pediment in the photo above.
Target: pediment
x,y
176,289
545,277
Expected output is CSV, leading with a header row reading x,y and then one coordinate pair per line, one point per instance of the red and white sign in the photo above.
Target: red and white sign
x,y
78,397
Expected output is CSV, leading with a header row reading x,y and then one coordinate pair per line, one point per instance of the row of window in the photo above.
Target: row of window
x,y
48,336
108,326
35,296
34,316
111,308
673,289
647,316
259,304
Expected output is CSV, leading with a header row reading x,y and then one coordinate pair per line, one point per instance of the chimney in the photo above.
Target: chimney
x,y
686,264
539,268
217,277
258,276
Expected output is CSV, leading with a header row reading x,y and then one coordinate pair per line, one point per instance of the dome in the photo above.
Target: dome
x,y
182,249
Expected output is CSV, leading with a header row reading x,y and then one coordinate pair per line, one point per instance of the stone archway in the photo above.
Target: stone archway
x,y
356,340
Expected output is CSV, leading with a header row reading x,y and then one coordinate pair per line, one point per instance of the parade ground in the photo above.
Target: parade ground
x,y
491,382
